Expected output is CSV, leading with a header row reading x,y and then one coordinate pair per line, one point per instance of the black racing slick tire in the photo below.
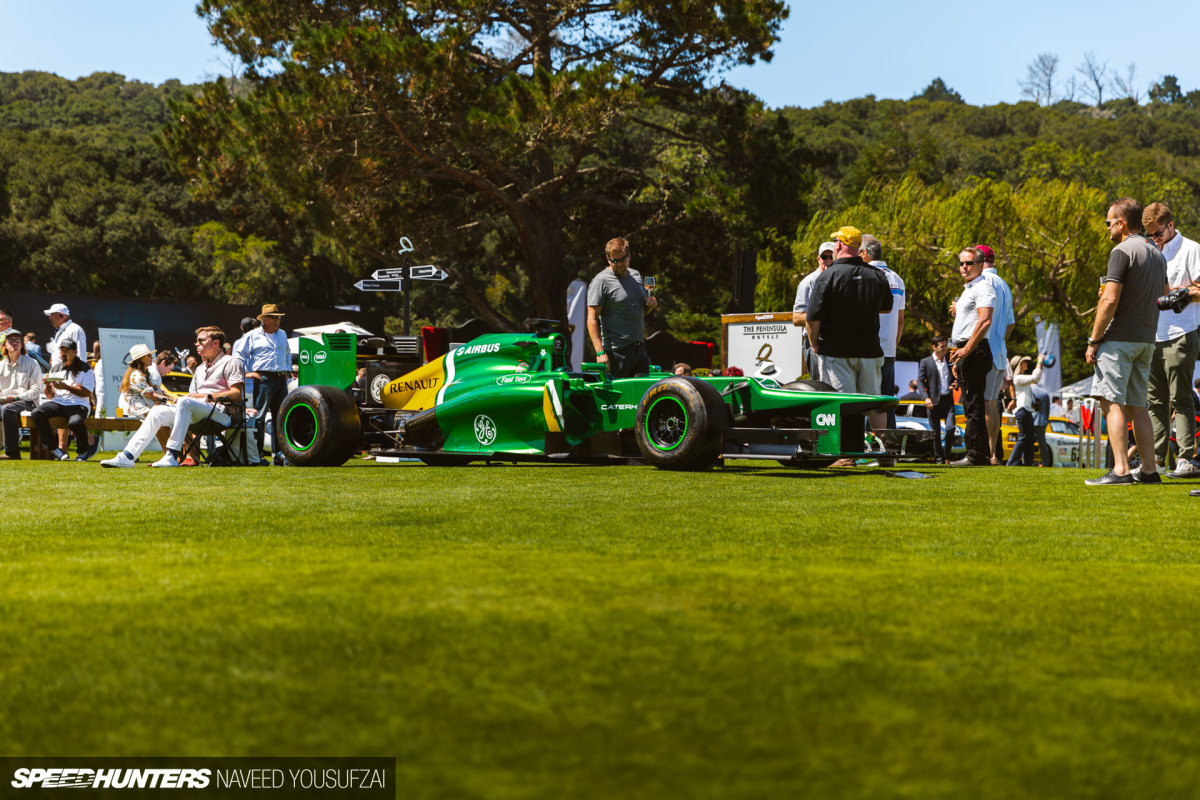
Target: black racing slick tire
x,y
809,386
318,426
680,423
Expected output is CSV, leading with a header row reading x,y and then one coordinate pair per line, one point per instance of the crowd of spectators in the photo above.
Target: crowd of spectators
x,y
1144,354
225,386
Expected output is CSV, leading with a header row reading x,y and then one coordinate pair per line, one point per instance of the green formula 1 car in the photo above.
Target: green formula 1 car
x,y
512,397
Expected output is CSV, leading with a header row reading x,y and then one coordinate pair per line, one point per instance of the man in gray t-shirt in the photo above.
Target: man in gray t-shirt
x,y
617,305
1122,342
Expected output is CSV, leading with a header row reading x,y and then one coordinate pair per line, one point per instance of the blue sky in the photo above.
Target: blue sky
x,y
888,49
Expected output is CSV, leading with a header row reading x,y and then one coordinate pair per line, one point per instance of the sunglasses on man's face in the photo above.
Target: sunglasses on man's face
x,y
620,260
1160,233
966,263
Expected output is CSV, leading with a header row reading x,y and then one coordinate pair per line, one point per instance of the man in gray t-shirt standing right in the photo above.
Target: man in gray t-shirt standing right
x,y
617,304
1122,341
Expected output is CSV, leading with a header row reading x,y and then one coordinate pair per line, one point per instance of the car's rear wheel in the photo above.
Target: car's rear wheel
x,y
679,424
319,426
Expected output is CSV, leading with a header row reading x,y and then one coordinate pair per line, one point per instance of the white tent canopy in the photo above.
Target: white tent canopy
x,y
1078,389
315,331
337,327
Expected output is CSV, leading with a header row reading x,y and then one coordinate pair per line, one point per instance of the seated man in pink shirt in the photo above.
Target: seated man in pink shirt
x,y
218,380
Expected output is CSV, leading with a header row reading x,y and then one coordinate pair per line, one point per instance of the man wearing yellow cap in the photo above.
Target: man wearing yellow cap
x,y
843,319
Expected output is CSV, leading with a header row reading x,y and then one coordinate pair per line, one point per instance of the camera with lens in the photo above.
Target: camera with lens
x,y
1175,300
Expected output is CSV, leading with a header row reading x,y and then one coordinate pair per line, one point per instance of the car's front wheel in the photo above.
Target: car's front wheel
x,y
680,423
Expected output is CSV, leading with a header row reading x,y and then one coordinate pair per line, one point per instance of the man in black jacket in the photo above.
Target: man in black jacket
x,y
843,320
935,376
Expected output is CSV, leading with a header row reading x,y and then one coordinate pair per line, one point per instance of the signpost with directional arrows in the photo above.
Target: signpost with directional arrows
x,y
396,279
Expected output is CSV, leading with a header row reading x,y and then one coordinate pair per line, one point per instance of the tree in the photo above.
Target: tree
x,y
1049,245
1040,82
547,126
1166,91
1127,84
938,91
1095,76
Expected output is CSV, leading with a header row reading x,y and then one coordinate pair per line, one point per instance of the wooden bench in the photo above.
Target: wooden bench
x,y
38,452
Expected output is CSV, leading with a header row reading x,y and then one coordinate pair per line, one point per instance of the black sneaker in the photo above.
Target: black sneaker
x,y
1111,478
1145,477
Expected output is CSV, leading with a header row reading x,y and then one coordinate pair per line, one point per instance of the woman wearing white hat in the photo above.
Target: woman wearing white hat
x,y
137,395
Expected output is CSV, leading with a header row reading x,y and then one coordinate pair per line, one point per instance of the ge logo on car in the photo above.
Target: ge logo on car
x,y
304,357
485,429
379,383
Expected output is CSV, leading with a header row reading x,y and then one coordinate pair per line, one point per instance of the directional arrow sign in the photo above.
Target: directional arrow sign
x,y
427,272
378,286
394,273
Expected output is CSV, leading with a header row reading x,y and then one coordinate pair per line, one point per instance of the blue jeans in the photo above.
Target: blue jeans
x,y
1022,453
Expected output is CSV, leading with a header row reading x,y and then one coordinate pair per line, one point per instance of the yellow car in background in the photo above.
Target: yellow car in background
x,y
1062,437
176,384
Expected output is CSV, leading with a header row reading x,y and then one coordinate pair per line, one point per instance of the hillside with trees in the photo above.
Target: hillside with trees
x,y
292,185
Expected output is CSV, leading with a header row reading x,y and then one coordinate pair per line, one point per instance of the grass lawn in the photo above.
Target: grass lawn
x,y
572,632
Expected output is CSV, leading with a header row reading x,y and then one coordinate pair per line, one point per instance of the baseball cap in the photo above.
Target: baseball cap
x,y
849,236
825,246
1015,362
988,255
57,308
13,332
69,343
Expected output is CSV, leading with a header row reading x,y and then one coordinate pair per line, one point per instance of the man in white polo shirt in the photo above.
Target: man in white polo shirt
x,y
1002,325
800,308
974,312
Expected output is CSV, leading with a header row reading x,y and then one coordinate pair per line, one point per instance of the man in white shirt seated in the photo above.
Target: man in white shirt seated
x,y
218,381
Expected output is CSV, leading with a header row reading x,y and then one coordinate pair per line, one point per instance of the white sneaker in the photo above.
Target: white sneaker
x,y
168,460
1185,468
119,460
59,455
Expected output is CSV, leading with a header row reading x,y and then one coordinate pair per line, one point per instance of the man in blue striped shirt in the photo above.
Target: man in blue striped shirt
x,y
265,356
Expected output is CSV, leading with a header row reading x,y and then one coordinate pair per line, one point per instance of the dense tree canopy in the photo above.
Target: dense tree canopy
x,y
299,177
538,128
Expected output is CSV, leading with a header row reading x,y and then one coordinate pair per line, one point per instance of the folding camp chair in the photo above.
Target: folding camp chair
x,y
233,444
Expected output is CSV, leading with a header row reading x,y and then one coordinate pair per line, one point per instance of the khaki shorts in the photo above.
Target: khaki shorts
x,y
852,375
995,379
1123,372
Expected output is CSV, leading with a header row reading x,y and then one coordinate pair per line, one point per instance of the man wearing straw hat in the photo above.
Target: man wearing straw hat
x,y
264,354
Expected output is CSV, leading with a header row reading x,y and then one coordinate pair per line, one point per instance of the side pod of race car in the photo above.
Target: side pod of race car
x,y
512,397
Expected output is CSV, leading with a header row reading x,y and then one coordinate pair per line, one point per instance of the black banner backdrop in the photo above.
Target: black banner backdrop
x,y
173,322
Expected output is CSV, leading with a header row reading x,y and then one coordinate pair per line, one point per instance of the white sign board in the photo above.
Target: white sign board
x,y
114,352
754,340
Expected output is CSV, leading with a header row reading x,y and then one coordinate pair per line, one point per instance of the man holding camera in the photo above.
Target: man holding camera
x,y
1121,345
1176,345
